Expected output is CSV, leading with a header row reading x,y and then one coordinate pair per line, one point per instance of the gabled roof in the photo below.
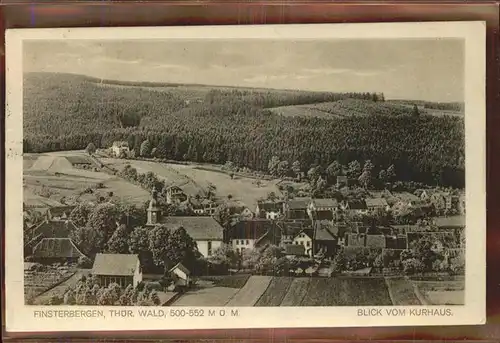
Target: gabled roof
x,y
324,231
298,203
308,231
199,228
376,202
181,267
458,221
270,206
356,205
250,229
375,241
290,228
56,248
54,228
325,202
406,196
115,264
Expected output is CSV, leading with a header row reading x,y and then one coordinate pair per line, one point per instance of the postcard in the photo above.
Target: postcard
x,y
274,176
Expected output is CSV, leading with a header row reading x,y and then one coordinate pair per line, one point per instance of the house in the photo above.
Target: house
x,y
206,231
407,199
175,194
120,148
354,207
51,250
293,251
322,209
59,212
53,228
202,207
296,208
289,229
376,204
181,275
123,269
324,241
249,234
239,210
305,238
269,209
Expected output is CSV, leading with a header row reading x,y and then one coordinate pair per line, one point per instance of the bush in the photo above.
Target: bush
x,y
84,262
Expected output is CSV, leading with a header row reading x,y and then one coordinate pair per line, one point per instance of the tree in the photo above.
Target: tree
x,y
415,112
353,169
382,175
103,220
283,168
333,170
88,239
225,257
146,147
118,243
272,166
339,262
90,149
365,179
368,166
171,246
222,215
138,243
413,266
313,174
84,262
81,213
271,196
296,168
391,173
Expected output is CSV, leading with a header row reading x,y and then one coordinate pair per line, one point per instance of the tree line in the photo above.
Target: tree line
x,y
235,126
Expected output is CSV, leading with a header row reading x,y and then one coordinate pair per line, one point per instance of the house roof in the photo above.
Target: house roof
x,y
57,248
325,202
308,231
250,229
115,264
54,228
450,221
199,228
376,202
406,196
375,241
181,267
295,249
356,205
82,159
325,231
270,206
60,210
290,228
298,203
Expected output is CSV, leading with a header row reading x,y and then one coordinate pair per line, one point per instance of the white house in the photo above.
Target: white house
x,y
322,209
247,234
120,148
123,269
305,238
269,209
181,275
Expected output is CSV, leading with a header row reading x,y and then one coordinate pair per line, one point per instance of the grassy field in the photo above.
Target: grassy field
x,y
241,188
401,291
442,292
275,292
210,296
45,188
36,283
296,292
354,107
249,294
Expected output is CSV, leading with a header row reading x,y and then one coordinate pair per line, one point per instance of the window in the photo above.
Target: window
x,y
248,242
242,250
308,243
209,244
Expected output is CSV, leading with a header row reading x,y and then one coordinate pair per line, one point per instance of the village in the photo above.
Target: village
x,y
234,253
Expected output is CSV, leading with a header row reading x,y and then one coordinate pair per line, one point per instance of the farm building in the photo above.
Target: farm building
x,y
296,208
120,148
52,250
269,209
81,161
123,269
181,275
59,212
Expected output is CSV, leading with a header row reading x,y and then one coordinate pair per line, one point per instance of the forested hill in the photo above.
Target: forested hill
x,y
196,123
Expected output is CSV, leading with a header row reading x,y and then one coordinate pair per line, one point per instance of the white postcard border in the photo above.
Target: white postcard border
x,y
22,318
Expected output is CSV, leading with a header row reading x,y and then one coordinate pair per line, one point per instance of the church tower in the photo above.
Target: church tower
x,y
153,209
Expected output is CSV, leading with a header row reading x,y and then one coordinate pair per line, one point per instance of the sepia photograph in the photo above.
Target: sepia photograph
x,y
275,171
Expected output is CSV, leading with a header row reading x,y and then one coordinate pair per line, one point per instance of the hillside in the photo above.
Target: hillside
x,y
201,124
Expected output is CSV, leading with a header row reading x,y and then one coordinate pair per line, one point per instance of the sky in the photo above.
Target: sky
x,y
430,69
